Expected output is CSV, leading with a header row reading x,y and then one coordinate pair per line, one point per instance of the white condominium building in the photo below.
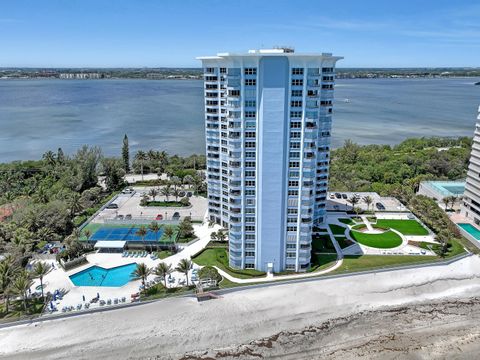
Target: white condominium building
x,y
471,197
268,116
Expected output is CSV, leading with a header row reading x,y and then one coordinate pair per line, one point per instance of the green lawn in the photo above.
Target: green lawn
x,y
347,221
406,227
166,204
322,261
343,242
322,243
336,229
219,257
164,254
386,240
353,263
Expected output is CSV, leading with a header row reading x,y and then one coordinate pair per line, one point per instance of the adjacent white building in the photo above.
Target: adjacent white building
x,y
471,197
268,116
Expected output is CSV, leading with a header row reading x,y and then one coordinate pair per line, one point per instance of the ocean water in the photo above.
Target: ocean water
x,y
41,115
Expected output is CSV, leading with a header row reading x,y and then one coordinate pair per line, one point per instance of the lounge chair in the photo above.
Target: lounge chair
x,y
123,299
109,302
115,301
102,302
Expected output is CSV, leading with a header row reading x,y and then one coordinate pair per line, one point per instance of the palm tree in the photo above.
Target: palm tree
x,y
188,180
354,201
176,193
368,200
153,193
168,233
87,234
141,157
142,232
184,266
75,204
175,180
163,270
49,158
21,285
155,228
41,269
141,272
166,191
7,269
446,201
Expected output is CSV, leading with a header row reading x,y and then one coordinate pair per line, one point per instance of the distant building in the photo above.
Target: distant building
x,y
268,116
471,198
80,76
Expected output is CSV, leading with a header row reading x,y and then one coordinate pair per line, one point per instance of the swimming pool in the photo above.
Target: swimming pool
x,y
472,230
99,276
449,188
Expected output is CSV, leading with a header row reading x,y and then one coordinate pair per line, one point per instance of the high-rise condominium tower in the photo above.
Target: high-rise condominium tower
x,y
471,197
268,116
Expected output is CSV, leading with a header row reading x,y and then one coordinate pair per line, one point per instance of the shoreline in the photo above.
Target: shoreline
x,y
172,328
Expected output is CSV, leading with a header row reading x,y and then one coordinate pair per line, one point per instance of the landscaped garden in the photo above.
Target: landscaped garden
x,y
384,240
406,227
322,243
337,229
352,263
219,257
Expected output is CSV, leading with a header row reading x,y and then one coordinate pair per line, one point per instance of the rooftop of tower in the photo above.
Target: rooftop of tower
x,y
278,51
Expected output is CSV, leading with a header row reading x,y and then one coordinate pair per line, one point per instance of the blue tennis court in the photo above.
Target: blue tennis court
x,y
125,234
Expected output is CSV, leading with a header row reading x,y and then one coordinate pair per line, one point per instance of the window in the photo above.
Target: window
x,y
295,135
250,114
250,237
292,211
210,70
290,267
250,71
291,255
295,114
250,134
250,82
294,155
250,219
294,174
249,163
250,103
293,183
250,154
297,71
250,183
250,202
291,228
249,246
293,192
295,125
250,192
234,93
249,228
249,211
291,220
297,82
250,125
296,103
294,164
249,266
249,144
327,70
296,93
294,145
249,173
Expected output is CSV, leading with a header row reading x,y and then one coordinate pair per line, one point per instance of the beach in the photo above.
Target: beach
x,y
429,312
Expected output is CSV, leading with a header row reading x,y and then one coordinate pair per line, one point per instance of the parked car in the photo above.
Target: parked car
x,y
128,217
112,206
176,215
181,194
128,191
159,217
379,206
120,217
344,196
189,194
338,195
332,196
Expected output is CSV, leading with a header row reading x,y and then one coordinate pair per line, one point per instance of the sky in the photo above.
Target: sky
x,y
155,33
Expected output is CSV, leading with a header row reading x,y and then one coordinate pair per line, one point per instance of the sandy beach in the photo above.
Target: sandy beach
x,y
426,313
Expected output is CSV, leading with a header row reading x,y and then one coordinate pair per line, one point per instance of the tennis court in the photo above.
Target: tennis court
x,y
125,234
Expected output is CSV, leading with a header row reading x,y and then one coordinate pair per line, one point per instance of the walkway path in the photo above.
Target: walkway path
x,y
367,223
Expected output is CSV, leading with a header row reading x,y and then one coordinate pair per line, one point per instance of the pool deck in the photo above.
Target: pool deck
x,y
59,279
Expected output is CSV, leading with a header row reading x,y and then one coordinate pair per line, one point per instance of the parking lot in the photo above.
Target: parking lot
x,y
338,201
129,209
